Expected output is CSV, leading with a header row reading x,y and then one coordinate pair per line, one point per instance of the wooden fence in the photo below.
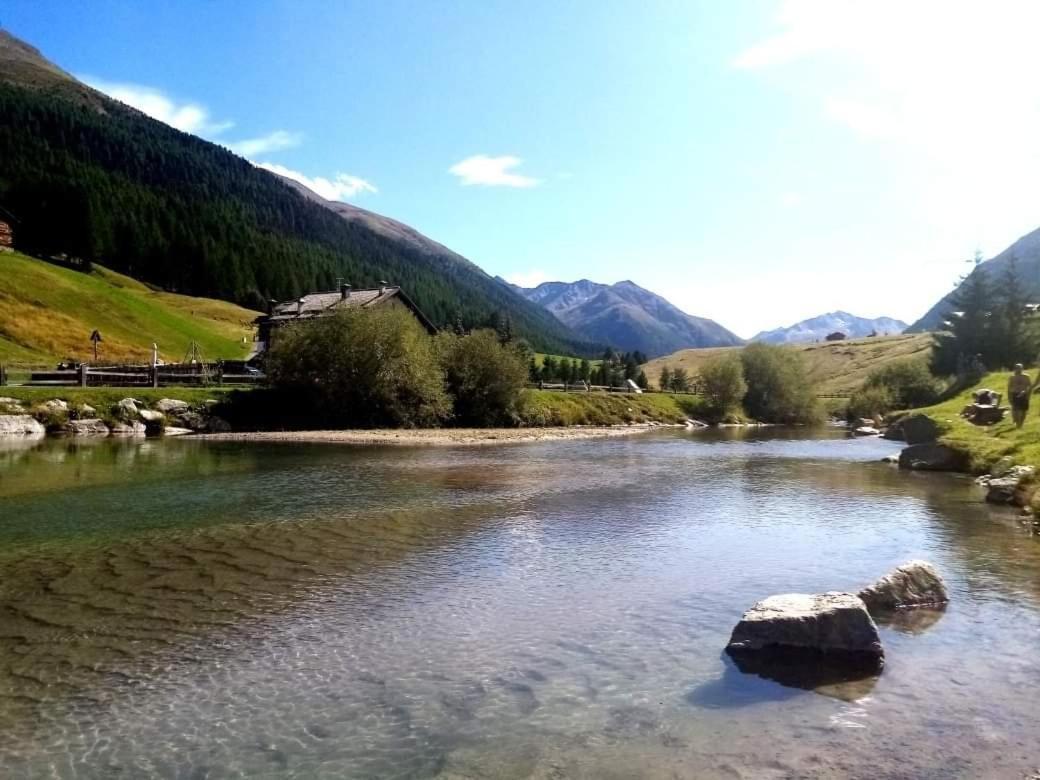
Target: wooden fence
x,y
172,374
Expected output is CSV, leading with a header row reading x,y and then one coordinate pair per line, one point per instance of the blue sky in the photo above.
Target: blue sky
x,y
754,162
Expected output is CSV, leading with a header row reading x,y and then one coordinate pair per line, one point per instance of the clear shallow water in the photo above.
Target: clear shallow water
x,y
193,609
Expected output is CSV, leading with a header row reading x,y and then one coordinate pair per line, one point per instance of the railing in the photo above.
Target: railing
x,y
173,374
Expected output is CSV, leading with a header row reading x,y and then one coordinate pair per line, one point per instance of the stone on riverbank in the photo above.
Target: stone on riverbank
x,y
1005,489
134,428
932,457
168,405
914,584
126,410
914,429
834,625
21,425
88,427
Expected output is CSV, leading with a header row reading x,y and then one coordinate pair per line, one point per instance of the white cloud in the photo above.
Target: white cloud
x,y
947,87
340,187
188,116
528,278
790,200
272,142
488,171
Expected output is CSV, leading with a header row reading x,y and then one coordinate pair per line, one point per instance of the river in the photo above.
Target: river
x,y
191,609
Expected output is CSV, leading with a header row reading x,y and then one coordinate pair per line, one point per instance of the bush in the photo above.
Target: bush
x,y
370,368
484,377
909,384
722,384
778,389
873,402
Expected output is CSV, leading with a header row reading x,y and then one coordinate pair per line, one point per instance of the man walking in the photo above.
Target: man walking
x,y
1019,388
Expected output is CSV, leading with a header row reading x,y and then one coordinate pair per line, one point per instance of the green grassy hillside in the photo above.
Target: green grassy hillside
x,y
47,313
834,367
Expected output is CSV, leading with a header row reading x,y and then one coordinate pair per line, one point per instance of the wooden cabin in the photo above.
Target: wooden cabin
x,y
6,236
324,304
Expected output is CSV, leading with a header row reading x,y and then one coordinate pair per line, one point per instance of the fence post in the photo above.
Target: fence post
x,y
83,374
3,375
155,376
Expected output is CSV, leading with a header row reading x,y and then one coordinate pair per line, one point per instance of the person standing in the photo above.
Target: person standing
x,y
1019,388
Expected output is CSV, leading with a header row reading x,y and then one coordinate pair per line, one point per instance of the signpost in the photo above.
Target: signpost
x,y
95,337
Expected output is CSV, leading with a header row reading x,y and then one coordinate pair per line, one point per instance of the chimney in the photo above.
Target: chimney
x,y
344,291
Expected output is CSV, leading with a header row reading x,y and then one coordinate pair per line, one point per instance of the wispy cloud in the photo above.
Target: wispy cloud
x,y
272,142
189,116
531,278
339,187
485,171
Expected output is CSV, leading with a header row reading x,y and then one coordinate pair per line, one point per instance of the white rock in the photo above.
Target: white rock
x,y
20,425
55,405
175,431
150,416
167,405
90,427
134,428
914,584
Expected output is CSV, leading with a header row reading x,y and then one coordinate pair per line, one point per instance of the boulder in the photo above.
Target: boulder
x,y
914,584
149,416
126,410
167,405
8,404
85,411
866,430
55,406
919,429
836,625
88,427
20,425
134,428
1004,489
932,457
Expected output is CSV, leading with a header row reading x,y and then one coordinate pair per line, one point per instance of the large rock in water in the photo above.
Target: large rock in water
x,y
835,625
914,584
932,457
914,429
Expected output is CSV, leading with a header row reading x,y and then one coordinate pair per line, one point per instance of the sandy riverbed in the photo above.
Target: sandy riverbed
x,y
436,436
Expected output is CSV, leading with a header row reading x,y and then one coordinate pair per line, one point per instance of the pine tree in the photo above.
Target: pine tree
x,y
665,380
969,328
680,381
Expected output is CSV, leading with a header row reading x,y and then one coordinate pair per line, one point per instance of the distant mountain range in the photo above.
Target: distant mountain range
x,y
1026,252
818,328
627,317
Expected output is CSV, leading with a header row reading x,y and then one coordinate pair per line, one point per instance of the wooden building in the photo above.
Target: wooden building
x,y
324,304
6,236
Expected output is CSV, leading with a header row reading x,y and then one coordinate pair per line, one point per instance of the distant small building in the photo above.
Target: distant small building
x,y
324,304
836,336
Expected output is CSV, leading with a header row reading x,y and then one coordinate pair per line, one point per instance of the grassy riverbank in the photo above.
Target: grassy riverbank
x,y
542,408
985,445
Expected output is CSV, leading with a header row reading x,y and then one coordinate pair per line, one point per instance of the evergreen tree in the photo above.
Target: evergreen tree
x,y
665,380
642,380
585,370
969,331
680,381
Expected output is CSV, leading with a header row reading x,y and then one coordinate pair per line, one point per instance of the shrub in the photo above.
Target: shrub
x,y
873,402
778,389
722,384
370,368
484,377
909,383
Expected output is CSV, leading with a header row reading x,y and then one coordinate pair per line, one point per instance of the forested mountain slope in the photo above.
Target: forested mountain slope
x,y
87,176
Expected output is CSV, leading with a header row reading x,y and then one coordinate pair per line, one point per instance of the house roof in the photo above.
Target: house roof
x,y
325,303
